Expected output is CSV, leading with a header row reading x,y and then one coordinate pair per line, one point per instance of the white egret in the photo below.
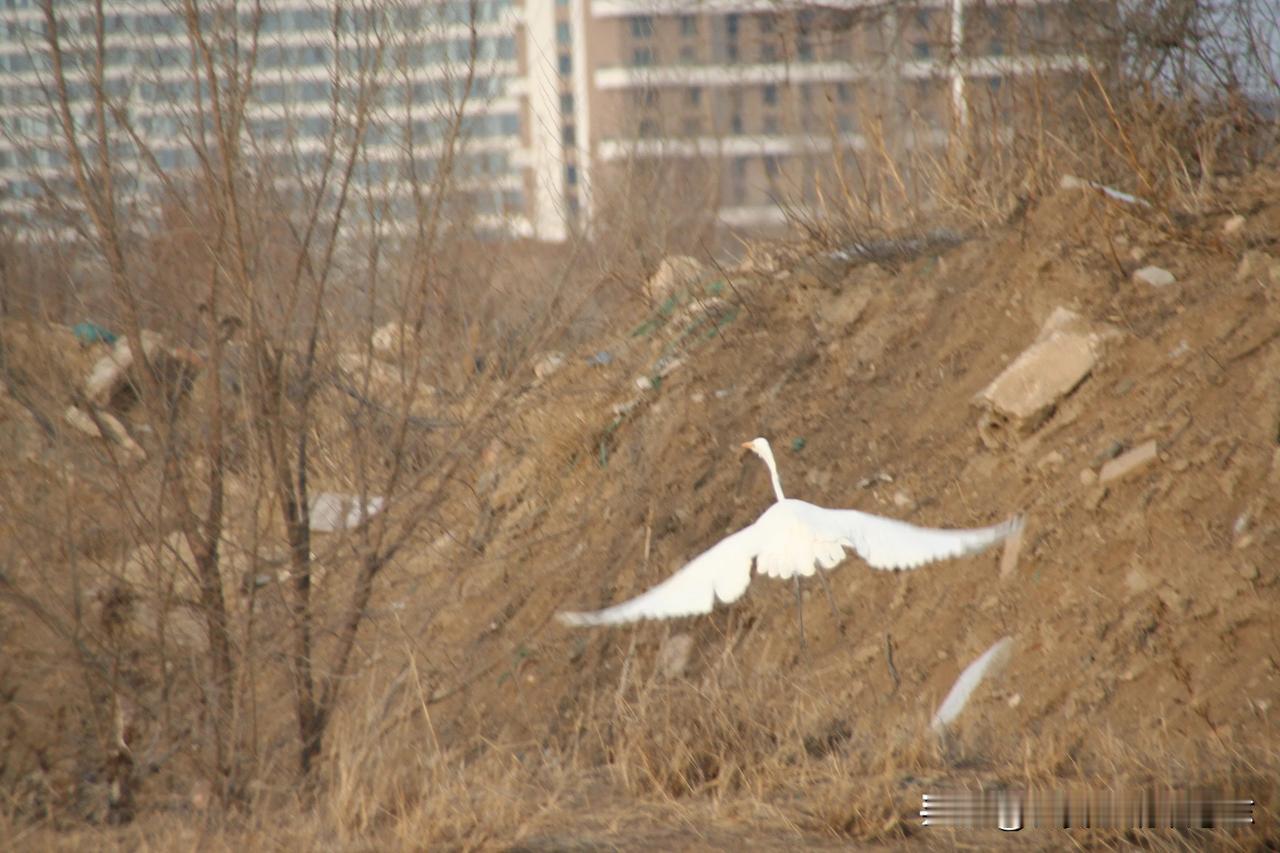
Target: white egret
x,y
792,539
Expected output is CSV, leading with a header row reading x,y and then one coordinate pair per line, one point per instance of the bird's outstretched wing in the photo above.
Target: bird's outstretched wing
x,y
889,544
722,572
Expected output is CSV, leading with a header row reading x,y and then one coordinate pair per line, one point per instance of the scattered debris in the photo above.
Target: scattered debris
x,y
902,500
110,375
1154,276
1012,550
1128,463
797,444
1088,477
1028,390
548,364
89,332
1051,461
83,421
673,656
1233,225
644,383
600,359
974,674
393,340
675,274
332,512
1255,264
899,248
1071,182
874,480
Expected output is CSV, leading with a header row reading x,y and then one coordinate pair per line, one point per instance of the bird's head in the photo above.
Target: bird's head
x,y
760,447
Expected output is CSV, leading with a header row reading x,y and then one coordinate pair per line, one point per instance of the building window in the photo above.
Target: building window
x,y
642,56
562,32
567,136
571,175
693,96
642,26
731,22
566,63
770,94
688,55
770,125
769,51
648,128
843,93
731,51
688,25
921,49
771,166
766,23
735,124
692,127
566,103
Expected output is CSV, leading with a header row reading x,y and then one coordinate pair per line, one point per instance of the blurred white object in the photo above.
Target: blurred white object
x,y
332,511
973,675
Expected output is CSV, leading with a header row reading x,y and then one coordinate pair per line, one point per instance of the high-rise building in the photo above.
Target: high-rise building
x,y
755,101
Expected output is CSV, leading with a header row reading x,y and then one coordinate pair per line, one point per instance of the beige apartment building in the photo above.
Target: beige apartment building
x,y
747,104
756,99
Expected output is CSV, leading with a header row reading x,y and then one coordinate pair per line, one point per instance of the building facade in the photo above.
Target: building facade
x,y
753,100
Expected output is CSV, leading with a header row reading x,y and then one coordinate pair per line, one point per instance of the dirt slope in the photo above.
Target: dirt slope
x,y
1143,611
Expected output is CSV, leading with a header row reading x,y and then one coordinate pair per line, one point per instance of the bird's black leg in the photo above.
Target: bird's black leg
x,y
831,599
800,611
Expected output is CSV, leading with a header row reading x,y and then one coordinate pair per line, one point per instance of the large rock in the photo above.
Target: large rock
x,y
676,274
1063,355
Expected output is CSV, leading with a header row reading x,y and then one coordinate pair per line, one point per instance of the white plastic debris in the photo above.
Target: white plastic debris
x,y
332,512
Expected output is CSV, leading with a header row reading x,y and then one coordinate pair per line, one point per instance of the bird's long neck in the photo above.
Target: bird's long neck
x,y
773,475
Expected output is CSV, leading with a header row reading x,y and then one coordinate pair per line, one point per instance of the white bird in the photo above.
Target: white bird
x,y
792,539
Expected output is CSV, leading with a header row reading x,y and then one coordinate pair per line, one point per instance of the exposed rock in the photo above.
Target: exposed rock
x,y
1012,550
676,273
673,657
387,384
1051,461
1088,477
548,364
393,340
1128,463
1029,389
79,419
1258,266
1154,277
845,309
332,512
1234,225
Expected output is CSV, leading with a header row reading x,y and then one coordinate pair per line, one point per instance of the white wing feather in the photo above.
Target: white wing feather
x,y
889,544
722,572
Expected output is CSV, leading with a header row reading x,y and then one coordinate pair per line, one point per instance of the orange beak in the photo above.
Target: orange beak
x,y
746,445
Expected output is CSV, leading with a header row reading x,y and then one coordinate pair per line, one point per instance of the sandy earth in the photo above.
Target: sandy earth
x,y
1143,611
